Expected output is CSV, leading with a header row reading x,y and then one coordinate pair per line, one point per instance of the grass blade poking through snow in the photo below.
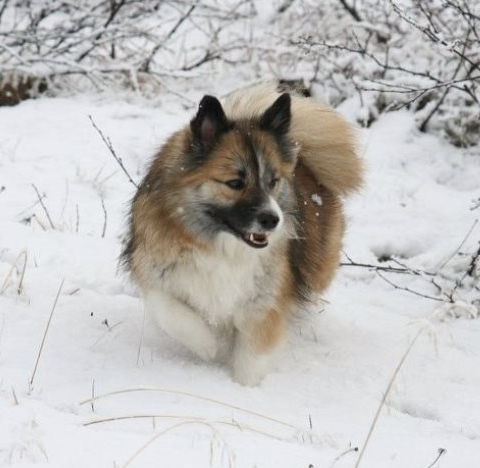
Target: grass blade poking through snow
x,y
190,395
386,393
14,267
165,431
45,334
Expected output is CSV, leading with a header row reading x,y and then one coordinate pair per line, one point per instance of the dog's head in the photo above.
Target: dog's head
x,y
237,174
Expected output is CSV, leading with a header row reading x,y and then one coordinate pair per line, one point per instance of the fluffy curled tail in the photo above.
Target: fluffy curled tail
x,y
327,142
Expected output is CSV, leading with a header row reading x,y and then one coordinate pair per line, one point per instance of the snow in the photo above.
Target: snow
x,y
319,400
317,199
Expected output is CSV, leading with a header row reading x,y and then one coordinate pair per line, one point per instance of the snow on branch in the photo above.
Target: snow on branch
x,y
423,55
418,54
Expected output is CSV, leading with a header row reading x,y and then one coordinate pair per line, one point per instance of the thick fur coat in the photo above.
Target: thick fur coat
x,y
239,221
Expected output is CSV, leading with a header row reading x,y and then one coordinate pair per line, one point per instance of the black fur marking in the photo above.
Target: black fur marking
x,y
239,216
276,118
209,124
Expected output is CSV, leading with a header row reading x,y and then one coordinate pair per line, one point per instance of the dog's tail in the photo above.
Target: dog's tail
x,y
327,142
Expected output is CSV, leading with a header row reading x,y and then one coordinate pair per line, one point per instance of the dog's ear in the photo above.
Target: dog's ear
x,y
277,117
209,123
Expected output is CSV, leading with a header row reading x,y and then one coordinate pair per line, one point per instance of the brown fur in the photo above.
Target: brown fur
x,y
322,168
315,253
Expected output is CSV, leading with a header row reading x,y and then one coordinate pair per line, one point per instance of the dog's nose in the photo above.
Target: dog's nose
x,y
268,220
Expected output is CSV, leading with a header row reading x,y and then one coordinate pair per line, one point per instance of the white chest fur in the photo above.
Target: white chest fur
x,y
233,279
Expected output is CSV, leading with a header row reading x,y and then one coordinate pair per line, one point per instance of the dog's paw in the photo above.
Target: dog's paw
x,y
249,369
248,377
203,344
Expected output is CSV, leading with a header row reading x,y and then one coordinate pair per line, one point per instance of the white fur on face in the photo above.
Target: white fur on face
x,y
277,210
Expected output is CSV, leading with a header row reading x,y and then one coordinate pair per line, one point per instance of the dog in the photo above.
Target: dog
x,y
238,222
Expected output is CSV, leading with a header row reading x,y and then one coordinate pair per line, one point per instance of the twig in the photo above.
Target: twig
x,y
45,333
473,261
414,271
104,218
284,6
441,451
351,10
346,452
460,246
108,143
40,199
386,393
411,291
423,125
2,189
114,9
386,269
146,65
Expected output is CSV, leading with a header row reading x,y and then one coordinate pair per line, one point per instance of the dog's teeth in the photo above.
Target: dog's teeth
x,y
251,238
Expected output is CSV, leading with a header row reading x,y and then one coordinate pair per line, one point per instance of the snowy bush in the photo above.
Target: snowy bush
x,y
420,54
115,42
424,55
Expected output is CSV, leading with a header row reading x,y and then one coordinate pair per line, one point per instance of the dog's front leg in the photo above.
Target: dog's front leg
x,y
180,322
255,346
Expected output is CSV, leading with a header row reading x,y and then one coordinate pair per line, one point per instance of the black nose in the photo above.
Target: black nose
x,y
268,220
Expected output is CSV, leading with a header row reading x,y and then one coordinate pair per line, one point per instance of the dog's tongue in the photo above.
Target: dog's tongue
x,y
256,238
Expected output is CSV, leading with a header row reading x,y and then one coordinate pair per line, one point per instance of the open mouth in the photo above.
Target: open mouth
x,y
255,239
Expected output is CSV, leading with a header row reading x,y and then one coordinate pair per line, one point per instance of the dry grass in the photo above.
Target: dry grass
x,y
45,335
190,395
386,393
231,459
21,271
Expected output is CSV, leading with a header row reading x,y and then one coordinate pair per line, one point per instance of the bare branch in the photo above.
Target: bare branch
x,y
351,10
146,65
455,252
411,291
388,269
108,143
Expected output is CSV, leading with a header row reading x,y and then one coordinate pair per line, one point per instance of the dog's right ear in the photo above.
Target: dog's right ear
x,y
277,117
209,123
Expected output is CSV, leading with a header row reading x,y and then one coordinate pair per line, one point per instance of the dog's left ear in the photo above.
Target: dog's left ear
x,y
277,117
209,123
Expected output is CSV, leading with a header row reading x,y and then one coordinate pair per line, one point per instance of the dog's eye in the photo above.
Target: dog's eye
x,y
273,183
236,184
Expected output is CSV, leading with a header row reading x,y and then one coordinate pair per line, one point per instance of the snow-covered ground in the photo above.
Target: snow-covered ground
x,y
156,405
